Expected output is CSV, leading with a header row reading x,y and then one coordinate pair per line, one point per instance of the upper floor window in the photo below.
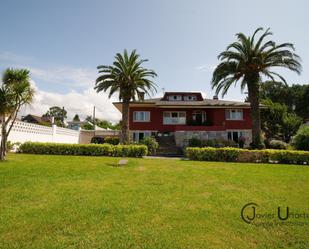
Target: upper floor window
x,y
199,116
234,114
141,116
174,97
189,98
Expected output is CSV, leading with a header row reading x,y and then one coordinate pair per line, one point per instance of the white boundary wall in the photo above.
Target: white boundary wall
x,y
23,132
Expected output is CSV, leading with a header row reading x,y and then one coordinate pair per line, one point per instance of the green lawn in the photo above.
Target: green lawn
x,y
86,202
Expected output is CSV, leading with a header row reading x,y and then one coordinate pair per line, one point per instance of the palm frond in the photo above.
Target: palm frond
x,y
126,76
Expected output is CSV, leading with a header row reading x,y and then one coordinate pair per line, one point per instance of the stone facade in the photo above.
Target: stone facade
x,y
182,137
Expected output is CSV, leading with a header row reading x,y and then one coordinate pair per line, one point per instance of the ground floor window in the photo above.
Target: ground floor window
x,y
234,135
140,135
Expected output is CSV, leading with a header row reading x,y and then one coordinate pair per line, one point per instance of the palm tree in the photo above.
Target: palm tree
x,y
15,91
129,79
247,60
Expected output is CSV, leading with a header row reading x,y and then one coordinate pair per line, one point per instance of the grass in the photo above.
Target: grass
x,y
86,202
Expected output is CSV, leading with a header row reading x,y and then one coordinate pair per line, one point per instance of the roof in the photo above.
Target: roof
x,y
36,118
205,103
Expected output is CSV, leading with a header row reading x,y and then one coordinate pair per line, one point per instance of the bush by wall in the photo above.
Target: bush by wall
x,y
301,139
84,149
217,143
243,155
111,140
195,142
278,144
151,144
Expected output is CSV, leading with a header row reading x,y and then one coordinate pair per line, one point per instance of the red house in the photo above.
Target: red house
x,y
183,115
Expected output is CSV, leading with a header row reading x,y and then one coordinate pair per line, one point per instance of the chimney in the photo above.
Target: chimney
x,y
215,97
141,96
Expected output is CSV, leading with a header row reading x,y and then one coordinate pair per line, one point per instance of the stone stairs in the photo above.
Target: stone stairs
x,y
167,146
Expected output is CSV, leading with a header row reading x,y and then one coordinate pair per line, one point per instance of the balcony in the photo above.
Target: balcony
x,y
199,123
174,120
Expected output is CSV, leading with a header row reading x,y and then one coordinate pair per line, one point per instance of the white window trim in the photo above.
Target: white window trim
x,y
142,121
233,119
170,112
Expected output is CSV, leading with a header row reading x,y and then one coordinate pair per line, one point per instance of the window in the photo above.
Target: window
x,y
189,97
199,116
141,116
174,118
140,135
234,135
234,114
174,97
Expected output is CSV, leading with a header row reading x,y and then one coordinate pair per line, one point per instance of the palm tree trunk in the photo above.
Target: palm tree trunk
x,y
3,140
253,90
125,122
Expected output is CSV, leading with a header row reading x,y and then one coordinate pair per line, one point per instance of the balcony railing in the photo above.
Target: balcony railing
x,y
173,121
199,123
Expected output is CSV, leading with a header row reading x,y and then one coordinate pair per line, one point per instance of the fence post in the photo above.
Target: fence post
x,y
54,127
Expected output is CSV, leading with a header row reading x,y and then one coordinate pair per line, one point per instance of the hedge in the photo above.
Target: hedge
x,y
84,149
229,154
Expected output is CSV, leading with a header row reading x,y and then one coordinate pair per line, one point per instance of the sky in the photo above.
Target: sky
x,y
62,42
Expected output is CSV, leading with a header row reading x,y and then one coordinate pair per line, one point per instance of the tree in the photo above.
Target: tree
x,y
272,119
247,60
278,122
58,113
295,97
15,91
291,124
76,118
129,79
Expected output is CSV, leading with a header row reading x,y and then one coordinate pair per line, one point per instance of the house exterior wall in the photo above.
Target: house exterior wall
x,y
216,115
218,129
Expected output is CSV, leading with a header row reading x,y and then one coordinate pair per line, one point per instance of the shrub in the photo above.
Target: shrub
x,y
217,143
226,143
9,146
97,140
84,149
277,144
195,142
151,144
244,155
111,140
301,139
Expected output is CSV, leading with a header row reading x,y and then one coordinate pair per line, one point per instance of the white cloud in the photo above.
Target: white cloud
x,y
69,76
206,67
75,103
6,56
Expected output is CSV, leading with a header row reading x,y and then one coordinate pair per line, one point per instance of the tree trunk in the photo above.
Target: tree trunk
x,y
3,140
253,91
125,122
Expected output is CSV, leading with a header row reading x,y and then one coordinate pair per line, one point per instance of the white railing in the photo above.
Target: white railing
x,y
172,120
